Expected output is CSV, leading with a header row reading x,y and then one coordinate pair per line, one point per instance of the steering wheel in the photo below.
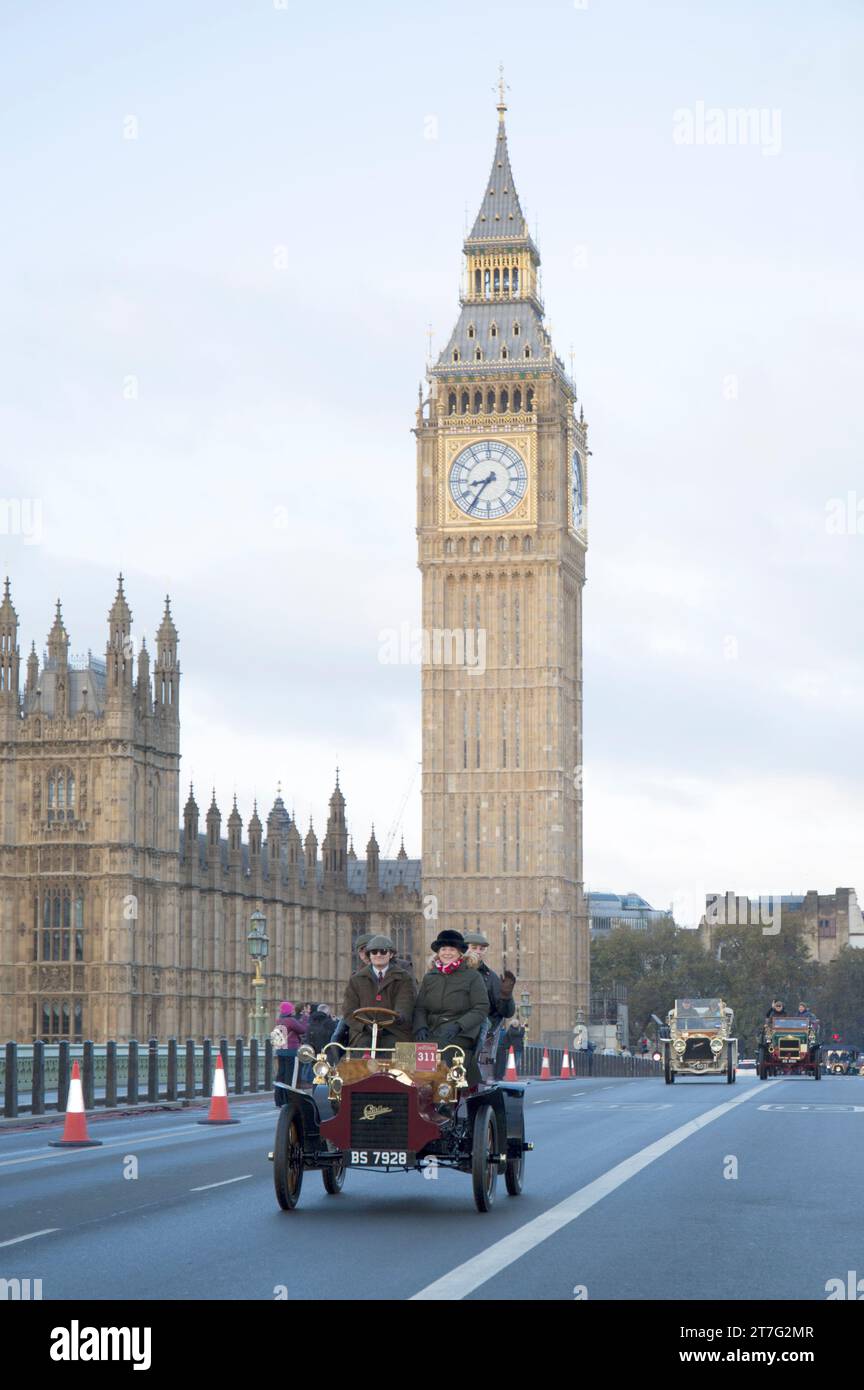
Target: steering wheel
x,y
383,1017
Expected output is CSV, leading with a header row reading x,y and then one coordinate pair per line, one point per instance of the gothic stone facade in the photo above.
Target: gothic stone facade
x,y
501,510
113,922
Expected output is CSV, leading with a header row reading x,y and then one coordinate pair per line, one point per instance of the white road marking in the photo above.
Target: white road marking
x,y
467,1277
207,1186
835,1109
573,1094
49,1231
542,1102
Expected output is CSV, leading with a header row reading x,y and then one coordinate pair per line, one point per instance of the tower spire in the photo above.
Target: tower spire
x,y
502,88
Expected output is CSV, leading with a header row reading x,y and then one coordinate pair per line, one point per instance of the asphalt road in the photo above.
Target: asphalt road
x,y
635,1190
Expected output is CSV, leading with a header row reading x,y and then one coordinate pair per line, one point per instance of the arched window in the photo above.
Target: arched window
x,y
527,352
478,402
526,544
517,398
475,546
465,401
497,280
504,354
451,403
476,281
471,330
486,284
493,330
448,546
455,354
506,279
490,402
529,402
516,330
478,354
505,399
515,279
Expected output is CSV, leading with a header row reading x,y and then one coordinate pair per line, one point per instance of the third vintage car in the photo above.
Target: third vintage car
x,y
699,1040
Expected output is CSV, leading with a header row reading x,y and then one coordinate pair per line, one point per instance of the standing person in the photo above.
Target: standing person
x,y
362,943
321,1027
515,1038
452,1002
380,985
502,1005
305,1075
289,1033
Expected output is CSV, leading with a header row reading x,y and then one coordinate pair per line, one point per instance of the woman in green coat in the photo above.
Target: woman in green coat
x,y
452,1002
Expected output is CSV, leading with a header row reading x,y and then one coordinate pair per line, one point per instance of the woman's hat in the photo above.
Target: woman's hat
x,y
449,938
285,1009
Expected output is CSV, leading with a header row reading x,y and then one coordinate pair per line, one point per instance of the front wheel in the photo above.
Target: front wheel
x,y
668,1073
730,1068
514,1173
484,1157
334,1177
288,1156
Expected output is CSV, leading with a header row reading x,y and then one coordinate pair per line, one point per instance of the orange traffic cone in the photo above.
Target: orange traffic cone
x,y
545,1073
565,1067
75,1134
511,1074
219,1113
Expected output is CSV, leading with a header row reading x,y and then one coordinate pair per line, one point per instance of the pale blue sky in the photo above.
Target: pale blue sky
x,y
274,404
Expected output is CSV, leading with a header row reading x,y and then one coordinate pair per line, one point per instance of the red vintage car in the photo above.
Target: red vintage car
x,y
397,1109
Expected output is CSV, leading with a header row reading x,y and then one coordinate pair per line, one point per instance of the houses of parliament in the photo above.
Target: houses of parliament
x,y
122,917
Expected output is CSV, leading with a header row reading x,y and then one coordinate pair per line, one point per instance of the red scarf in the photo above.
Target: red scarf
x,y
449,967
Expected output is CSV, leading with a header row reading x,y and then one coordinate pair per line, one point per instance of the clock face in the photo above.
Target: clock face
x,y
488,479
577,492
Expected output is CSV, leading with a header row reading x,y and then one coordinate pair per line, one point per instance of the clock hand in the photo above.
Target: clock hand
x,y
478,482
485,483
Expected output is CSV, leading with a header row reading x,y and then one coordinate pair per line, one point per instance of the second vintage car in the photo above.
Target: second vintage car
x,y
699,1040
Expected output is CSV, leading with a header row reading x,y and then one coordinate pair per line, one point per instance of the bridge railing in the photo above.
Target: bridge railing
x,y
34,1077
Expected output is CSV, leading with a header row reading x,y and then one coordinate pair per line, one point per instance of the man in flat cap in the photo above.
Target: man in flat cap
x,y
502,1005
382,984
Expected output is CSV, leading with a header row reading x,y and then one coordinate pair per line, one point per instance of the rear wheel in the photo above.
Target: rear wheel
x,y
730,1067
514,1173
484,1157
817,1064
334,1177
288,1156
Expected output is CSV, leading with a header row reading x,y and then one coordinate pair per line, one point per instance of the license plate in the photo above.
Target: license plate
x,y
379,1158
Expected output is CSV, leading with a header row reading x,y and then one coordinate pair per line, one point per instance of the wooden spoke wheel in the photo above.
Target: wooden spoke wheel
x,y
288,1156
484,1157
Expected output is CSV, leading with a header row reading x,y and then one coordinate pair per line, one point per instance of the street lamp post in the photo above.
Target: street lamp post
x,y
525,1007
259,946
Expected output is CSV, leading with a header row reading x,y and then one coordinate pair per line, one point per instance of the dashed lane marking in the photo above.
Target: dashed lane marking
x,y
467,1277
834,1109
225,1183
49,1231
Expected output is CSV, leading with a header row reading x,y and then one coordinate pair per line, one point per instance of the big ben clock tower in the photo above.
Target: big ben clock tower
x,y
501,512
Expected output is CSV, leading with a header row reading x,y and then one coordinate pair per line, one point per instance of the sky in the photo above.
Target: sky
x,y
230,229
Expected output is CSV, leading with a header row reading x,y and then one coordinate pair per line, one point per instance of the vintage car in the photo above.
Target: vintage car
x,y
699,1041
789,1046
841,1061
397,1109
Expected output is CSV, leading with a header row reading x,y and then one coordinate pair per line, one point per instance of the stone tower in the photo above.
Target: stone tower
x,y
501,502
89,899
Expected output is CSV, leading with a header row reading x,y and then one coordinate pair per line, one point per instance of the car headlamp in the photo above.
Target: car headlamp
x,y
321,1070
680,1045
716,1044
443,1091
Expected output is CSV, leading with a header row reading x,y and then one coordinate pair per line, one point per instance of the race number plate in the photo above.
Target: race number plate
x,y
379,1158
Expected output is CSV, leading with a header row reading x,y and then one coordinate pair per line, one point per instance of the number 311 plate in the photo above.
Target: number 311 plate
x,y
379,1158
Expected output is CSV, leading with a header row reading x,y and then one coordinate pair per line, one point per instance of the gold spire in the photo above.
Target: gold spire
x,y
502,87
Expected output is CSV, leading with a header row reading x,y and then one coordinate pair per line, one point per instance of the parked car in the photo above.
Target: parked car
x,y
747,1064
